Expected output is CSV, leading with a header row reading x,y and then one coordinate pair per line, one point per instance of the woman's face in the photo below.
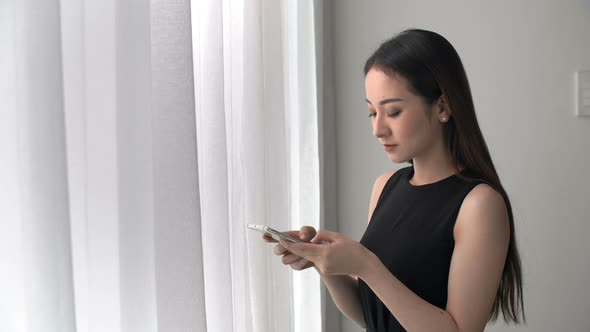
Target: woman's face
x,y
400,118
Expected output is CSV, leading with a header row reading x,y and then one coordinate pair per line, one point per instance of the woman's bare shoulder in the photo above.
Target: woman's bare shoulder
x,y
377,189
382,180
483,203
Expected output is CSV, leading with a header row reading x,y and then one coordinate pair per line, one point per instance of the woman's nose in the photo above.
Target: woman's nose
x,y
380,128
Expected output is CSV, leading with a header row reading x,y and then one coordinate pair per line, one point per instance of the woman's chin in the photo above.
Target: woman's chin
x,y
396,159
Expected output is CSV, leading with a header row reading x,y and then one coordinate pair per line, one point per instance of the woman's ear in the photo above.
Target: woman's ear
x,y
442,109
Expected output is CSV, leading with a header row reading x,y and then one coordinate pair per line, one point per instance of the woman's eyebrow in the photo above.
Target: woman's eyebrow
x,y
385,101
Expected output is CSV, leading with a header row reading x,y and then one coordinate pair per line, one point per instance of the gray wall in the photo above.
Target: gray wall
x,y
520,58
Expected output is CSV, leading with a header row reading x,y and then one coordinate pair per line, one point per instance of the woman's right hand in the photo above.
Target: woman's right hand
x,y
305,234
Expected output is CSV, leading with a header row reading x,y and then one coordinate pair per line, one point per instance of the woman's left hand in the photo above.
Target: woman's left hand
x,y
332,253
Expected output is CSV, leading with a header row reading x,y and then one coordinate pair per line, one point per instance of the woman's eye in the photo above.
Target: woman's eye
x,y
391,115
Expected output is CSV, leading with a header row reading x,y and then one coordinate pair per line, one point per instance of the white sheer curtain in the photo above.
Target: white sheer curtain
x,y
36,270
136,147
257,134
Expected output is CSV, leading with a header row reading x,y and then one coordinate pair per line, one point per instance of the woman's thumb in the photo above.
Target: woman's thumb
x,y
322,236
306,233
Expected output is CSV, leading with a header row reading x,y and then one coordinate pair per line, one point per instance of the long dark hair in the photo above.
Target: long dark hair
x,y
432,68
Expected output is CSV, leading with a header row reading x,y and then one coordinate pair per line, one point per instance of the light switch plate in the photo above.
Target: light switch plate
x,y
582,93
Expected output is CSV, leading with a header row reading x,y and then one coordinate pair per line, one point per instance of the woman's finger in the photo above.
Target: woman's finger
x,y
303,249
324,236
290,258
294,234
301,264
269,239
279,250
307,233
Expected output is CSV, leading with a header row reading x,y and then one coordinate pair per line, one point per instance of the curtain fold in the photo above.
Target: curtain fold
x,y
136,135
207,29
36,269
301,108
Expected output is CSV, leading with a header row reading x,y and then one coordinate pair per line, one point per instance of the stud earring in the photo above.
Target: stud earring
x,y
444,119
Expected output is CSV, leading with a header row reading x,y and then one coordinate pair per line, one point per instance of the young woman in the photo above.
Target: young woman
x,y
439,252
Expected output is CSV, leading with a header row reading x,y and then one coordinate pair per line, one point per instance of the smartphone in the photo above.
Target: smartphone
x,y
273,233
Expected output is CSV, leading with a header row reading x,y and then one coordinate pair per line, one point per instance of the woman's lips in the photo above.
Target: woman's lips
x,y
389,147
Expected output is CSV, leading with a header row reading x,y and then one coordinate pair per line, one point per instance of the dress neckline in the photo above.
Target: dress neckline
x,y
410,173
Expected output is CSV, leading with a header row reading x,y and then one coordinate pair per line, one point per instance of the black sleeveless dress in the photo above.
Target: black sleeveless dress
x,y
411,232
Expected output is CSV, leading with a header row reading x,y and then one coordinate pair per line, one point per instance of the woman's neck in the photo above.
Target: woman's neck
x,y
433,166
